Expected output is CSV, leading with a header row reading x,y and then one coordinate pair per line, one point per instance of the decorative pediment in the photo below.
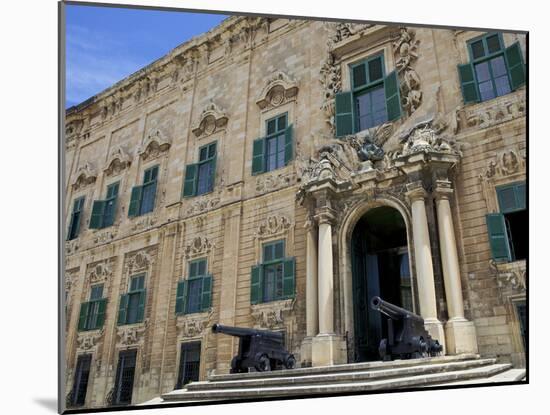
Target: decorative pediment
x,y
212,119
88,340
199,246
140,262
99,272
279,89
154,144
119,159
424,138
193,325
131,335
271,315
85,175
505,163
273,225
202,205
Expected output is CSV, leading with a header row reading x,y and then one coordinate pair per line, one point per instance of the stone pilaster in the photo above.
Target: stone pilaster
x,y
460,333
424,263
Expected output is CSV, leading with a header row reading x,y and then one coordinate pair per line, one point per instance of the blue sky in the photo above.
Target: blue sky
x,y
104,44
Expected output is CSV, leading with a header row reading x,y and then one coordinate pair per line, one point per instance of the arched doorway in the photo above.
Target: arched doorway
x,y
380,266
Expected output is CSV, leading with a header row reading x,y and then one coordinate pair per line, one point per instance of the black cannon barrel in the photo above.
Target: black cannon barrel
x,y
391,310
243,332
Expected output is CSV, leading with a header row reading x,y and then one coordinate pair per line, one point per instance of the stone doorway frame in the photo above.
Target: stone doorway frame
x,y
344,261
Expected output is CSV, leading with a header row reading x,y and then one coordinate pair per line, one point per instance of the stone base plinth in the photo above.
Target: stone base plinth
x,y
461,336
305,352
435,328
328,350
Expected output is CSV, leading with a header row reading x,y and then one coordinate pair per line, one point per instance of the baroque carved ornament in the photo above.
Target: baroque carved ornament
x,y
203,205
273,225
279,89
270,182
99,272
193,325
505,163
405,48
272,315
131,335
154,145
119,159
140,261
85,176
88,340
212,119
199,246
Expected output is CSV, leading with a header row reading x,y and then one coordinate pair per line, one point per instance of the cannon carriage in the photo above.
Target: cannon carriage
x,y
407,336
260,349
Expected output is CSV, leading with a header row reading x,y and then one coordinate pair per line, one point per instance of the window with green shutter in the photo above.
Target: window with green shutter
x,y
276,149
194,294
200,177
508,229
374,98
274,278
92,312
142,199
493,70
103,211
76,214
132,304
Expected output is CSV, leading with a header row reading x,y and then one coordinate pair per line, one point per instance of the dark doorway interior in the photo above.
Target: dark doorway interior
x,y
380,266
190,359
80,385
124,382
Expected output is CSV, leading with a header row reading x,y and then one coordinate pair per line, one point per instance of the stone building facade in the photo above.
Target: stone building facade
x,y
277,174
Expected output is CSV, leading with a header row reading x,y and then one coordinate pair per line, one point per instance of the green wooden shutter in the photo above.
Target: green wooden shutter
x,y
109,220
520,196
141,306
68,238
511,198
98,210
344,113
206,298
258,156
212,179
122,309
256,284
393,98
516,68
498,237
190,182
289,154
468,83
83,316
289,266
135,201
154,186
181,297
101,306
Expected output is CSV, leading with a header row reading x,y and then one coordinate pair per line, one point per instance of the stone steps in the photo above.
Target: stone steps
x,y
361,377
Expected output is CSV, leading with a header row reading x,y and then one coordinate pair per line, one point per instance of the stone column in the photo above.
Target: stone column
x,y
312,296
328,348
460,333
423,261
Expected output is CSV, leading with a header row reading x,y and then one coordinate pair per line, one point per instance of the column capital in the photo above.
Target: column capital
x,y
415,191
309,224
325,215
443,189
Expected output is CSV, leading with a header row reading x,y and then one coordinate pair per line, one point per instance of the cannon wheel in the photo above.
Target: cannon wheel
x,y
263,365
290,362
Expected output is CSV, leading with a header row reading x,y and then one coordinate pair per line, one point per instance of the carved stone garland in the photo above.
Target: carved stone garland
x,y
405,49
199,246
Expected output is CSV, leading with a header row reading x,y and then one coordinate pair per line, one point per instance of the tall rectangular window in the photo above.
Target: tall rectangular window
x,y
509,228
200,177
373,98
74,224
80,383
103,211
194,294
493,70
92,312
190,358
132,304
142,200
273,278
276,149
124,381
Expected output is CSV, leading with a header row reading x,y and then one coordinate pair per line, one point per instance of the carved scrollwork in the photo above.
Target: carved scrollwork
x,y
99,272
270,182
273,225
485,116
279,88
154,145
506,162
85,176
88,340
131,335
424,138
511,277
405,48
272,315
140,261
193,325
212,119
119,159
203,205
199,246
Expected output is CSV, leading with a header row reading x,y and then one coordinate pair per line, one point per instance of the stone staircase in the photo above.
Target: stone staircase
x,y
358,377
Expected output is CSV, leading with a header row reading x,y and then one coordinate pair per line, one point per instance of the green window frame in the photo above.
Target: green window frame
x,y
274,278
132,304
142,199
373,99
104,211
493,70
92,312
200,177
276,149
511,198
194,294
76,215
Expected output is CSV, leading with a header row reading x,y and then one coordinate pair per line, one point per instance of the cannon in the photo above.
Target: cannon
x,y
407,336
261,349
